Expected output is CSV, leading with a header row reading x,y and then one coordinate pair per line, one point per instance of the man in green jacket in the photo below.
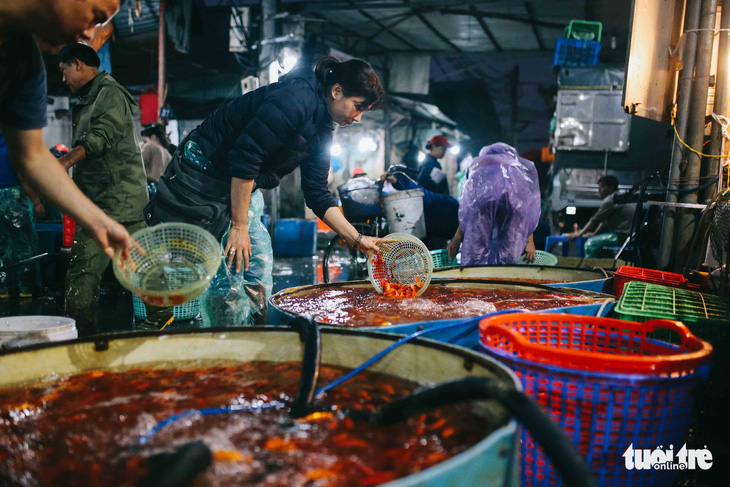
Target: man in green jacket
x,y
107,167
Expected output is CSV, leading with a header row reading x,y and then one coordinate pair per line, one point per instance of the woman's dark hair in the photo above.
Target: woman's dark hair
x,y
356,77
158,131
84,53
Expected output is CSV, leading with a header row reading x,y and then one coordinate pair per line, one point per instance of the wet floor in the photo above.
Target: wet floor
x,y
115,303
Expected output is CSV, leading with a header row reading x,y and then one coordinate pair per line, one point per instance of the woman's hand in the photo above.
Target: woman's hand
x,y
370,244
238,247
530,252
455,243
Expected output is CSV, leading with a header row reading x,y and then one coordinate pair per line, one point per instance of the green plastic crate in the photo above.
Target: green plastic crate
x,y
541,258
584,30
641,301
707,317
440,258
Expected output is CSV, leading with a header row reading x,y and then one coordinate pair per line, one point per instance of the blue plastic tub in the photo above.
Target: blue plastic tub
x,y
295,237
468,334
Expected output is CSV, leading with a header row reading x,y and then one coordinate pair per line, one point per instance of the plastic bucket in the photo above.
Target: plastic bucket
x,y
18,331
404,212
360,199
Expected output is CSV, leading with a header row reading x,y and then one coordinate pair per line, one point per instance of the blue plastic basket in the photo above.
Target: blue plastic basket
x,y
187,311
606,382
575,52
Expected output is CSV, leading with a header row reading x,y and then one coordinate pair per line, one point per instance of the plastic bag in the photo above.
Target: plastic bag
x,y
593,246
499,206
240,299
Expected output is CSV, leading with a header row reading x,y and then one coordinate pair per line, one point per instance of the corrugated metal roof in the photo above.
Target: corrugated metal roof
x,y
128,26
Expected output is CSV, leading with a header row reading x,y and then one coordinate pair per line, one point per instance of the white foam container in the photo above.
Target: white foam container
x,y
18,331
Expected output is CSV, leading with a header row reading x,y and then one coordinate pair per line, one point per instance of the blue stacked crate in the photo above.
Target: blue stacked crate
x,y
580,44
295,237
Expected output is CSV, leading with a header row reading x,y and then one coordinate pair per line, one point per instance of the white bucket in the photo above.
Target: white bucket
x,y
18,331
404,212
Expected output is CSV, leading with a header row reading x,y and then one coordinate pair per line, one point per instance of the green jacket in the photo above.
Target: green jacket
x,y
112,175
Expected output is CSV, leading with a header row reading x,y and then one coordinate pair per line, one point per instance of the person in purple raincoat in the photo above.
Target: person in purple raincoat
x,y
499,208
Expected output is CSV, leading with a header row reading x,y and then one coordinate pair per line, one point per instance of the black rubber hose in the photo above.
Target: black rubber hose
x,y
178,468
310,336
558,448
326,259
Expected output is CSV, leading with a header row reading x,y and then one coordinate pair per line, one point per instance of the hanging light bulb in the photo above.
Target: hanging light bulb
x,y
336,150
421,156
367,144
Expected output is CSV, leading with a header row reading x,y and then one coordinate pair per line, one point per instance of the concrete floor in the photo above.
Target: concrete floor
x,y
116,302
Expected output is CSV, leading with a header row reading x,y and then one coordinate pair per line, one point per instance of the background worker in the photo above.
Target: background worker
x,y
23,91
108,169
611,224
155,154
431,175
499,208
251,143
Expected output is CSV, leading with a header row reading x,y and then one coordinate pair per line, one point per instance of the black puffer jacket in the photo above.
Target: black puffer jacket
x,y
267,133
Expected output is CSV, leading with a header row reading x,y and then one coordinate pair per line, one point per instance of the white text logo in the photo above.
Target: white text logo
x,y
661,459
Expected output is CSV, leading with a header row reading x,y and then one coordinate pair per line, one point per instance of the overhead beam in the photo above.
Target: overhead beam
x,y
386,28
430,27
535,29
375,5
352,32
486,29
511,17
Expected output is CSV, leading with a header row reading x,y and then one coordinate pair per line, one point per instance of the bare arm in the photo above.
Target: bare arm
x,y
455,243
77,154
334,218
530,251
36,165
239,243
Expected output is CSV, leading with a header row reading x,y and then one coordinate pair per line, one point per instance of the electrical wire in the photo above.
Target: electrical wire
x,y
693,150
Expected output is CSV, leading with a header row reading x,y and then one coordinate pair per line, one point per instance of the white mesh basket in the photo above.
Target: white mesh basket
x,y
401,260
180,262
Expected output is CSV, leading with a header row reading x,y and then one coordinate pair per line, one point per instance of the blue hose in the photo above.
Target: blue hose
x,y
203,412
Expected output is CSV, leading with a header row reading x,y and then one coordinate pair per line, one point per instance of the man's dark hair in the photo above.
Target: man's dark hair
x,y
84,53
609,181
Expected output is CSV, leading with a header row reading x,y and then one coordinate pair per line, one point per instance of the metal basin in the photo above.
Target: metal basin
x,y
596,280
491,462
440,325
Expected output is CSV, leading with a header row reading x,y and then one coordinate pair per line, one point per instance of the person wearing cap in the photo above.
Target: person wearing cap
x,y
108,169
431,175
358,172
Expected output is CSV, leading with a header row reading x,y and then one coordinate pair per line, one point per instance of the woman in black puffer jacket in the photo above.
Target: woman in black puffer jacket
x,y
256,139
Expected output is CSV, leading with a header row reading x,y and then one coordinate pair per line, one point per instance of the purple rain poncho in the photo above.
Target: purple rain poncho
x,y
499,206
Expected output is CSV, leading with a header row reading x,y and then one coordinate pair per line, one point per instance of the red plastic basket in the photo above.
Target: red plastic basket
x,y
608,384
627,273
